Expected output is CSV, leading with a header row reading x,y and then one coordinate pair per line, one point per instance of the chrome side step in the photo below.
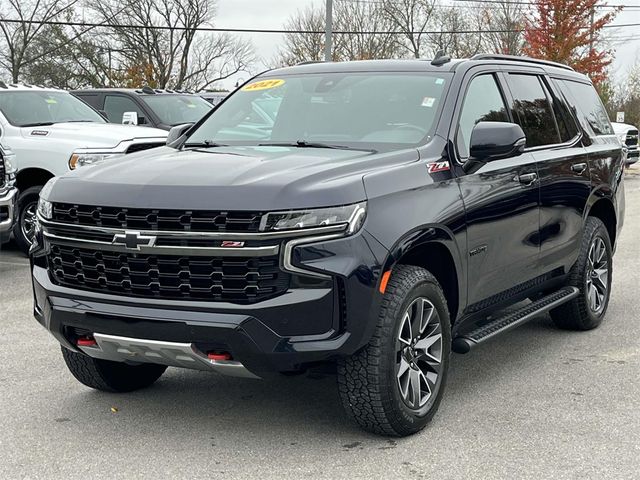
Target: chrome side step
x,y
464,343
185,355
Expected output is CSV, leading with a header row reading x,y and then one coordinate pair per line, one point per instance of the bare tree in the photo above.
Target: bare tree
x,y
300,47
505,20
176,55
458,27
412,18
18,38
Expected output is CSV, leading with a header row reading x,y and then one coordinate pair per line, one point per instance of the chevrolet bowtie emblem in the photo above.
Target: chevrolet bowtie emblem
x,y
133,240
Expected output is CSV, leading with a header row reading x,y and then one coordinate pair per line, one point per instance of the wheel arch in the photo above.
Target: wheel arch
x,y
600,205
433,248
31,177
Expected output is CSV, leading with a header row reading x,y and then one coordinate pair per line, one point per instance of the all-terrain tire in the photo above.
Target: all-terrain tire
x,y
367,380
577,314
27,201
107,376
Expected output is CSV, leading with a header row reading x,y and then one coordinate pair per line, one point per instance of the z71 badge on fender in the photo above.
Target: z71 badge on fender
x,y
438,167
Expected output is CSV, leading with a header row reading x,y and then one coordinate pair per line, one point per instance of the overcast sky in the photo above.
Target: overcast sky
x,y
272,14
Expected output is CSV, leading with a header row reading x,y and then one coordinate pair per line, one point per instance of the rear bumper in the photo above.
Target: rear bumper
x,y
7,213
302,327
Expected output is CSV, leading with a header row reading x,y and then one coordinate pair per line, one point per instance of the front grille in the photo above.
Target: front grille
x,y
632,138
3,172
139,147
152,219
232,279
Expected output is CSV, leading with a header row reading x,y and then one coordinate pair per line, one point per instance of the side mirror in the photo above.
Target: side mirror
x,y
496,140
178,131
130,118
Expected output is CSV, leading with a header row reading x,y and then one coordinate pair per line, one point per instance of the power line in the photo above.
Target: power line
x,y
276,31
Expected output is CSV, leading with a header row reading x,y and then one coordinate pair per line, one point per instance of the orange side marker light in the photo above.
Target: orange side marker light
x,y
385,279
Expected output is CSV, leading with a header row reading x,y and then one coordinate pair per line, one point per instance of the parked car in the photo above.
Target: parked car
x,y
146,106
51,132
8,193
628,135
393,212
214,98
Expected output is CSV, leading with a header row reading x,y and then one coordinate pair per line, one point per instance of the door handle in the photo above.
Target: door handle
x,y
527,178
578,167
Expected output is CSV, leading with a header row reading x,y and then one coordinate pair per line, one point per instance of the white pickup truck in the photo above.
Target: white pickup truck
x,y
52,132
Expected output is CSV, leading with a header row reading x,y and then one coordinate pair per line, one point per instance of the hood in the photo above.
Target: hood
x,y
622,128
228,178
93,135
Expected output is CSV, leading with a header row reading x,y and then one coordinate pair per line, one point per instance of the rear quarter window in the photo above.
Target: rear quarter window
x,y
588,107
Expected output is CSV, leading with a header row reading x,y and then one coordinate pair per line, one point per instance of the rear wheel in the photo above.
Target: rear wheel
x,y
24,230
111,376
394,385
591,274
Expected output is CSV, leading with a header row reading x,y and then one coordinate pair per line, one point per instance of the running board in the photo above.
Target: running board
x,y
464,343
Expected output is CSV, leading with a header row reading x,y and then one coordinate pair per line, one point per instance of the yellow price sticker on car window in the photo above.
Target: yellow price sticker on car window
x,y
263,85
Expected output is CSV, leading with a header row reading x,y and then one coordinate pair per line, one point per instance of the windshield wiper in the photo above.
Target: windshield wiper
x,y
37,124
78,121
205,144
305,144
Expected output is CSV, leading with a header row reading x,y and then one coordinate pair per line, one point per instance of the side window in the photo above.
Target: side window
x,y
564,118
589,106
116,105
483,102
532,110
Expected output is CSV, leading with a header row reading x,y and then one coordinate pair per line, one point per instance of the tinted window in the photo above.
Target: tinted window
x,y
586,99
358,110
532,110
177,109
564,119
116,105
483,102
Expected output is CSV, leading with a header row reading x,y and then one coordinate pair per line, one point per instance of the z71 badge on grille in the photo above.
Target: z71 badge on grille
x,y
230,244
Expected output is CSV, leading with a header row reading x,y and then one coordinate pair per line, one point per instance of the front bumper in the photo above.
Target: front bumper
x,y
633,155
7,213
290,332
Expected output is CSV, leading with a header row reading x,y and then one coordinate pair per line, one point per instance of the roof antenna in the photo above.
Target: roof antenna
x,y
440,59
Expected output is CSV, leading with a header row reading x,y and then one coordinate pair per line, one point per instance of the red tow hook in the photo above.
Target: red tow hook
x,y
219,356
87,342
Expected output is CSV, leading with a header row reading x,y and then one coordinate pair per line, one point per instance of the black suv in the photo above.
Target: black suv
x,y
146,106
390,213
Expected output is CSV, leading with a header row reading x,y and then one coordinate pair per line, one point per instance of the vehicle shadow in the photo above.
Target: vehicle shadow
x,y
295,408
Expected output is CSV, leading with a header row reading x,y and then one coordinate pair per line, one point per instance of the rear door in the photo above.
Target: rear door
x,y
554,140
501,202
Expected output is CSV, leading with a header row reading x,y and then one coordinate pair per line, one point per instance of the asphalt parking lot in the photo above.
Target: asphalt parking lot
x,y
534,403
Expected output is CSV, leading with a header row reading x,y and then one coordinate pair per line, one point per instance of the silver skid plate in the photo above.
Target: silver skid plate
x,y
185,355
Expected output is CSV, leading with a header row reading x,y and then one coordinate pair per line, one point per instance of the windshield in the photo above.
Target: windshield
x,y
32,108
357,110
177,109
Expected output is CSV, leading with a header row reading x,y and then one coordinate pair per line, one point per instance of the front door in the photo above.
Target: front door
x,y
501,202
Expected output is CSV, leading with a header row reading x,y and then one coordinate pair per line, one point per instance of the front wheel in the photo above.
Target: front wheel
x,y
25,228
394,385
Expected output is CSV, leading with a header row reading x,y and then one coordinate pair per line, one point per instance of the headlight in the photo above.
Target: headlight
x,y
350,215
8,165
45,209
81,159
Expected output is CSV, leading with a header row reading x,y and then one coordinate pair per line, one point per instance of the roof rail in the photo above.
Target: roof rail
x,y
514,58
309,62
148,90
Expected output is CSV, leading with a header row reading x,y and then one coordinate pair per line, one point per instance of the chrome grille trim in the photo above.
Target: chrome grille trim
x,y
197,235
160,250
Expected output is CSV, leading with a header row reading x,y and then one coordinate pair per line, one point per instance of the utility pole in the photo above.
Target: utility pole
x,y
328,35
